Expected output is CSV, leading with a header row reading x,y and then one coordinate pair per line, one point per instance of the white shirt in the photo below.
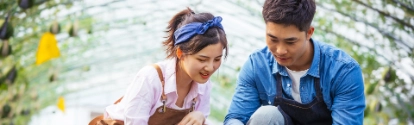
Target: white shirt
x,y
295,76
142,97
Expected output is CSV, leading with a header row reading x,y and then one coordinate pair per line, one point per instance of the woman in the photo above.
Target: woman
x,y
195,45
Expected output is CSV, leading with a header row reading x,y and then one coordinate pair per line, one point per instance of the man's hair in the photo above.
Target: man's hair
x,y
290,12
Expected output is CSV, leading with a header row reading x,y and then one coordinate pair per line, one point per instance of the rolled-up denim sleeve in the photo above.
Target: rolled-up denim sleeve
x,y
246,98
349,99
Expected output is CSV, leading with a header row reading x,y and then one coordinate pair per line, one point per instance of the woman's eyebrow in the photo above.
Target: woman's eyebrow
x,y
203,56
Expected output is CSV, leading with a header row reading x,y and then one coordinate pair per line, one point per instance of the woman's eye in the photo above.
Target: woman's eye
x,y
201,60
217,59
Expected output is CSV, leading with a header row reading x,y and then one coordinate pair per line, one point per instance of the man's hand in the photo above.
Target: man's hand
x,y
193,118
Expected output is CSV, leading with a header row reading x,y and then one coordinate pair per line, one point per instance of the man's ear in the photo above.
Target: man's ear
x,y
309,33
179,53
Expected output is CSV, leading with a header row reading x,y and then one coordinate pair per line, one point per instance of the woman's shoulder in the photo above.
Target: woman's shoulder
x,y
150,70
147,70
150,73
146,75
146,82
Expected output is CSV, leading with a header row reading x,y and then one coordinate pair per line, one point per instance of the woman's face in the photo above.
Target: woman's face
x,y
201,65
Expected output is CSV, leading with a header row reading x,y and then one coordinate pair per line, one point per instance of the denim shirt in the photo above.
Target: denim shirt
x,y
340,76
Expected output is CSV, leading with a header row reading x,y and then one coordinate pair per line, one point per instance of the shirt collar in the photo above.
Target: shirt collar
x,y
170,79
313,70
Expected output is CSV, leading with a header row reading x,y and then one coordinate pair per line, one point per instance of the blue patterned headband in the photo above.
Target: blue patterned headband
x,y
187,31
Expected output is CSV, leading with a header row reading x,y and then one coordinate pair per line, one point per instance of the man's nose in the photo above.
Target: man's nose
x,y
281,50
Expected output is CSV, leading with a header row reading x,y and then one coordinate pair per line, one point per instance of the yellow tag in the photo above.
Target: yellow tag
x,y
61,104
47,48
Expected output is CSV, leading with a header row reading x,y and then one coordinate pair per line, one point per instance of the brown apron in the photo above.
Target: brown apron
x,y
168,116
162,116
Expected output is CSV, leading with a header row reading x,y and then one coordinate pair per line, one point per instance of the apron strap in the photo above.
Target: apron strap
x,y
279,85
193,104
317,86
163,96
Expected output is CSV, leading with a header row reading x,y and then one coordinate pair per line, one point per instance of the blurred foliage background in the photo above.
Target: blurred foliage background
x,y
100,42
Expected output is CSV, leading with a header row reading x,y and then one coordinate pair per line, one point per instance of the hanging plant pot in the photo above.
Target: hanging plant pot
x,y
11,76
73,30
25,112
390,75
5,49
90,31
6,30
53,77
55,28
5,111
26,4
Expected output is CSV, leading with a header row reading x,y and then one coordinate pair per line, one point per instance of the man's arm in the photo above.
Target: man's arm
x,y
246,98
348,97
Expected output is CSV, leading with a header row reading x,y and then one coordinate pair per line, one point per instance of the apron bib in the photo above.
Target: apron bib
x,y
313,113
162,116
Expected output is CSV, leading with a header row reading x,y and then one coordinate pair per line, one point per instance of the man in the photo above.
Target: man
x,y
296,79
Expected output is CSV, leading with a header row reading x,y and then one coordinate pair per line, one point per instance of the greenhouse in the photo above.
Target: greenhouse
x,y
64,61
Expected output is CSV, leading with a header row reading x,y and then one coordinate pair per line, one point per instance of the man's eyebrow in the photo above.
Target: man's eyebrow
x,y
291,39
287,39
271,36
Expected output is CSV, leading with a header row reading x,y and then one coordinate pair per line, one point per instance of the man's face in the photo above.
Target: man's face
x,y
288,44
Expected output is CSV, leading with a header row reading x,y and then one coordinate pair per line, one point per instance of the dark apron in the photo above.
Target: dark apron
x,y
313,113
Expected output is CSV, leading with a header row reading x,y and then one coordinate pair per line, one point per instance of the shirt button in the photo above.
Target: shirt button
x,y
288,85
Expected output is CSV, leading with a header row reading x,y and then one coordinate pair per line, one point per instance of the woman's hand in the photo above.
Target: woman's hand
x,y
193,118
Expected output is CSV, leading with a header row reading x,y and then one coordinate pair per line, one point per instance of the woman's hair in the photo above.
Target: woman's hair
x,y
289,12
212,36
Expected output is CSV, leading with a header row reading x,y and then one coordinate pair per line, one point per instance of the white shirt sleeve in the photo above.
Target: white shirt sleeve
x,y
140,97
